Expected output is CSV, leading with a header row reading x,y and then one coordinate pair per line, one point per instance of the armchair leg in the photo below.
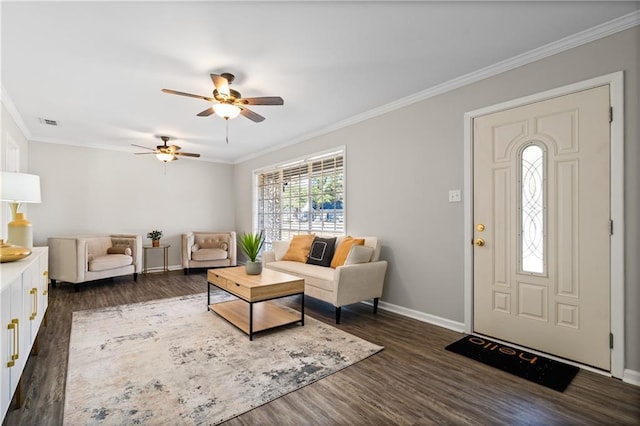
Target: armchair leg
x,y
375,305
338,310
186,271
53,283
135,276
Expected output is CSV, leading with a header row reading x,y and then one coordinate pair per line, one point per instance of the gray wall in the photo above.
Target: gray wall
x,y
91,191
407,160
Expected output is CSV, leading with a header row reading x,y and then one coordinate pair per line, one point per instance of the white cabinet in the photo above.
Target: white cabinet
x,y
23,303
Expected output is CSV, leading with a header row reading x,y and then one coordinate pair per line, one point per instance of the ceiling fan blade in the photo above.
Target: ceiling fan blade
x,y
264,100
251,115
143,147
175,92
144,153
221,83
186,154
207,112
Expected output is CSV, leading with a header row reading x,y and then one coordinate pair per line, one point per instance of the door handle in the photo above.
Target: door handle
x,y
479,242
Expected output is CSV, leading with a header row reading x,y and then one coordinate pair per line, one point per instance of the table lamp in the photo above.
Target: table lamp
x,y
20,188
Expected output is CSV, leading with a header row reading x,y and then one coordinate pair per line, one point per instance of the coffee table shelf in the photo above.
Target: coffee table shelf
x,y
266,315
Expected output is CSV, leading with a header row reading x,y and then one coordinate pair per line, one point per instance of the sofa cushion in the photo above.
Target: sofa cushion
x,y
299,248
359,254
342,251
317,276
212,244
209,254
110,261
321,251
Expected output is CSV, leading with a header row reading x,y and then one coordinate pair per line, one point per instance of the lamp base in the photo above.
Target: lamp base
x,y
20,231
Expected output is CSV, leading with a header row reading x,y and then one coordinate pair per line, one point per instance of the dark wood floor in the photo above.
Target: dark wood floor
x,y
412,381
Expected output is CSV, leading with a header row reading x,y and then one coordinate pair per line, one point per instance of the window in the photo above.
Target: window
x,y
532,209
303,197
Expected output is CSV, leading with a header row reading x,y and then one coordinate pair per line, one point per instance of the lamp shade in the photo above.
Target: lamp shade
x,y
20,188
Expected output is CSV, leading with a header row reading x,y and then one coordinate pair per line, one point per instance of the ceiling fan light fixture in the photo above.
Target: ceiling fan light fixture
x,y
165,157
226,111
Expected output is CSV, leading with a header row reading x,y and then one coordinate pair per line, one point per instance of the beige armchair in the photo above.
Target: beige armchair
x,y
208,250
78,259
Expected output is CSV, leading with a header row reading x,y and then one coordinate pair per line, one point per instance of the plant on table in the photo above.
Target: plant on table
x,y
155,236
251,244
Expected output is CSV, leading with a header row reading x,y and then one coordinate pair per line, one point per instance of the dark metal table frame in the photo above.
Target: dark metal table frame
x,y
251,332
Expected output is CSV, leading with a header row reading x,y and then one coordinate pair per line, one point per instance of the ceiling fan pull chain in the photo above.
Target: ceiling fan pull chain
x,y
227,121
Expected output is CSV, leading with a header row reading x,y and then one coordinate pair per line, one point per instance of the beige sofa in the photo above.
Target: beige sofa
x,y
78,259
344,285
208,250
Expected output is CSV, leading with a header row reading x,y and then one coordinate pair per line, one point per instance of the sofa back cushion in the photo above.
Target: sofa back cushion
x,y
211,240
299,248
97,246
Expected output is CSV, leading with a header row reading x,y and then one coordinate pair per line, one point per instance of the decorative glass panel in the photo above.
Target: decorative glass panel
x,y
532,209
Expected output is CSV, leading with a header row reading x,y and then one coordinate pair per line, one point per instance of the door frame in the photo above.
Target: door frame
x,y
616,84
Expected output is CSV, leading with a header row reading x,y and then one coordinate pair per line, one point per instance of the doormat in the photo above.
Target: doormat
x,y
544,371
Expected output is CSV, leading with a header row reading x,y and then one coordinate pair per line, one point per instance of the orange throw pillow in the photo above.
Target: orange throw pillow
x,y
299,248
340,256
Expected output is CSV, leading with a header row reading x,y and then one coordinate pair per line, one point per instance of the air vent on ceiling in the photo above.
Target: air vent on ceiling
x,y
48,122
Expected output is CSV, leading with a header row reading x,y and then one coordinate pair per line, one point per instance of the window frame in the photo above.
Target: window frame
x,y
289,165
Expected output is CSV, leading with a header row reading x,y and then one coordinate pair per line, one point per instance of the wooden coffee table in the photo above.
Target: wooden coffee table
x,y
254,310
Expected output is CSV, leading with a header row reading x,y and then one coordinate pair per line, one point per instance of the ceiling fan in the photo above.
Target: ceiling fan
x,y
166,153
229,103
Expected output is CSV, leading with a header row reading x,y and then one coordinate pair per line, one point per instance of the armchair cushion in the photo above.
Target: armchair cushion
x,y
110,261
209,254
119,250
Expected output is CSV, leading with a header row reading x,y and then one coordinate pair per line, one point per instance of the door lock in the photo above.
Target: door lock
x,y
479,242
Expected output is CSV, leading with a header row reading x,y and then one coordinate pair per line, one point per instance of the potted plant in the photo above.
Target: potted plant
x,y
250,244
155,236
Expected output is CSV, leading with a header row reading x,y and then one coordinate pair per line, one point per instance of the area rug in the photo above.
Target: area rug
x,y
544,371
173,362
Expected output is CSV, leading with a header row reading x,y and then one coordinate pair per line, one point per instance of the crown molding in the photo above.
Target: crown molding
x,y
583,37
13,112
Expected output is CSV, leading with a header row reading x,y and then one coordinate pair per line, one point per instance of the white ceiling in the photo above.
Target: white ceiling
x,y
98,67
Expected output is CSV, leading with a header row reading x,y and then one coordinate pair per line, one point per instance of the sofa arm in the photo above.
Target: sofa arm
x,y
188,240
233,249
358,282
268,256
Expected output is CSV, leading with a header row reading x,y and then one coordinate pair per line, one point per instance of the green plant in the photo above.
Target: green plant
x,y
250,244
155,235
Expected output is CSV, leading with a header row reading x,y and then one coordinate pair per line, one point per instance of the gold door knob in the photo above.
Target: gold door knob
x,y
479,242
480,227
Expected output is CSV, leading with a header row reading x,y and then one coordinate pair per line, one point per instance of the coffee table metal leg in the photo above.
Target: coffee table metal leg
x,y
302,309
250,320
208,296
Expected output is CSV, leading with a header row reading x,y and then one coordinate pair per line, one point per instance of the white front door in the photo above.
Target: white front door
x,y
541,191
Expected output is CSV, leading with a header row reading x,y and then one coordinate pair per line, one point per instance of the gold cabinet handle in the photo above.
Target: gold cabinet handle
x,y
12,326
479,242
34,314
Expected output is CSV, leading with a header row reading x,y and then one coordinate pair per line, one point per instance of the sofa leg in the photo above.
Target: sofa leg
x,y
375,305
186,271
76,287
135,276
53,283
338,310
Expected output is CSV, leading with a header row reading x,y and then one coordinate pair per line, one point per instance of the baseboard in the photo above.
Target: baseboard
x,y
631,376
420,316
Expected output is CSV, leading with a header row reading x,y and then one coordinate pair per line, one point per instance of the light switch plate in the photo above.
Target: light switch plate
x,y
454,196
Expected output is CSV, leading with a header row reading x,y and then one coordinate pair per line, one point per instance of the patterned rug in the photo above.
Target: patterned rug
x,y
173,362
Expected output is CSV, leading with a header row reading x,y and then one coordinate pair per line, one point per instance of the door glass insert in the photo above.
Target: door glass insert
x,y
532,195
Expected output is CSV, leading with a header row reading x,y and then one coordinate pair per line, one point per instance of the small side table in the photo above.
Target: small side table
x,y
166,257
